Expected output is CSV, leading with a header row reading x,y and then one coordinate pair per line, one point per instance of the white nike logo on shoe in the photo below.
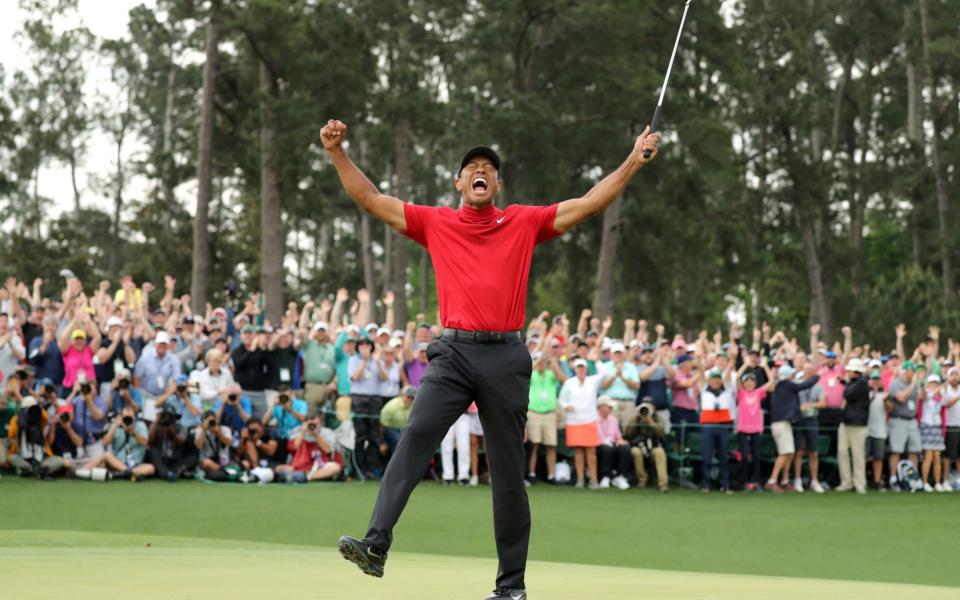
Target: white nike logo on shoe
x,y
500,220
517,597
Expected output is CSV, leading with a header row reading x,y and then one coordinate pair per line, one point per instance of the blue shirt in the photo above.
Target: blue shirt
x,y
619,390
49,363
155,373
83,422
286,422
342,358
187,419
135,395
127,449
231,416
369,382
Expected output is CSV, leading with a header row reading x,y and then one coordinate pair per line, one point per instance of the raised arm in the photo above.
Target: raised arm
x,y
385,208
573,211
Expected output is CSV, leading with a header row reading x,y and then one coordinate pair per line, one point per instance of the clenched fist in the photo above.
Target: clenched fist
x,y
647,141
333,134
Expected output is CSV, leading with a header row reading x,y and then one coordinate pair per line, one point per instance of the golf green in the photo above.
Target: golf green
x,y
269,540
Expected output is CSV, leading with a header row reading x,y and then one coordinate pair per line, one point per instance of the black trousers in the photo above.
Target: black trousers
x,y
614,460
367,428
497,377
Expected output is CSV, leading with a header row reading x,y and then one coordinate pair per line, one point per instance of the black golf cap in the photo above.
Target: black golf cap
x,y
484,151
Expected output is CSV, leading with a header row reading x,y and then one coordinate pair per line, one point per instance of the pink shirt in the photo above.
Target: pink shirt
x,y
682,398
74,361
832,384
609,430
749,412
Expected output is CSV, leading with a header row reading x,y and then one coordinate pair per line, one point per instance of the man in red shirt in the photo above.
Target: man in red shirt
x,y
481,256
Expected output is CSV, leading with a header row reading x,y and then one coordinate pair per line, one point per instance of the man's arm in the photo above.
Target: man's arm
x,y
573,211
385,208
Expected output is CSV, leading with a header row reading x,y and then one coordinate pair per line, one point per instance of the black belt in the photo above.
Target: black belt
x,y
482,337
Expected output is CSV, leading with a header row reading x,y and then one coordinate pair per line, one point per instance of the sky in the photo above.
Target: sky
x,y
105,19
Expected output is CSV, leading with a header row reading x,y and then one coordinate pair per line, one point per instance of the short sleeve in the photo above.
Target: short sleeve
x,y
541,219
417,218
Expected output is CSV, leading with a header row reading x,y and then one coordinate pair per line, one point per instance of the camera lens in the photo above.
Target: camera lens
x,y
124,384
64,417
128,420
85,388
284,399
48,389
232,397
181,388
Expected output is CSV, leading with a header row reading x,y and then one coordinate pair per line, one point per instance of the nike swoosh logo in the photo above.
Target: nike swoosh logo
x,y
500,220
516,597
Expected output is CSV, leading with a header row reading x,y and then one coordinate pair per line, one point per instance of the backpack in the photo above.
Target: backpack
x,y
907,477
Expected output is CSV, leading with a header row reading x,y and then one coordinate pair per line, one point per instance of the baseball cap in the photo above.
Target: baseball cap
x,y
28,402
606,346
422,346
714,373
122,374
684,358
182,379
320,325
383,331
830,354
875,374
908,366
617,347
856,365
952,370
188,319
411,392
64,408
114,320
679,344
933,378
247,329
162,338
78,334
579,363
786,372
536,356
370,326
606,401
394,344
484,151
268,328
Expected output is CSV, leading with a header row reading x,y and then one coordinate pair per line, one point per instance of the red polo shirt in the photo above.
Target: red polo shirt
x,y
482,260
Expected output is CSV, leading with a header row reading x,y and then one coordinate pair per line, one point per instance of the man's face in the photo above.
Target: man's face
x,y
246,337
4,323
161,350
604,411
617,358
478,182
50,326
321,336
582,351
555,350
79,343
580,371
800,360
907,375
423,334
37,315
831,362
285,340
721,362
809,370
954,378
646,357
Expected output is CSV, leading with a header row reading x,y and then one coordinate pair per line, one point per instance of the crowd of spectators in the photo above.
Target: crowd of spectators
x,y
119,385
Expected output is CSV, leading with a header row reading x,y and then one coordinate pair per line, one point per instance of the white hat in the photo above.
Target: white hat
x,y
856,365
399,333
162,338
383,331
320,325
874,364
122,374
579,363
28,401
536,356
952,370
370,326
786,372
607,401
617,347
394,343
634,343
933,378
114,320
606,345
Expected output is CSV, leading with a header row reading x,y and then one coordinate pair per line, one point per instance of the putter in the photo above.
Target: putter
x,y
666,79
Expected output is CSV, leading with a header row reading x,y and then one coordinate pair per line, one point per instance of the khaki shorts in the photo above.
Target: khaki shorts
x,y
542,428
783,436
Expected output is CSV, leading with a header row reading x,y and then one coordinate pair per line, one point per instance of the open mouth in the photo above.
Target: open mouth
x,y
479,185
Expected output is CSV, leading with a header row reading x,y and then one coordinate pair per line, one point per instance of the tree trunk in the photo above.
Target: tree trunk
x,y
200,272
819,305
943,201
271,227
366,248
603,295
388,242
402,148
425,265
73,180
117,205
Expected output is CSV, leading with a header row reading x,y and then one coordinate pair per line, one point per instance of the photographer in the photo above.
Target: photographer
x,y
126,440
124,395
314,457
288,414
89,418
213,442
233,409
179,398
259,448
29,451
63,440
169,452
647,431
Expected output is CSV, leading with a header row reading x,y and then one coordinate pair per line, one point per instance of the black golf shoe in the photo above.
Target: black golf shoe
x,y
507,594
369,559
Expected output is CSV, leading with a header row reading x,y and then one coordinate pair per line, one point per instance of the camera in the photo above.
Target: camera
x,y
209,423
64,417
123,384
181,389
127,421
168,418
644,411
312,426
48,388
232,398
85,388
284,398
110,415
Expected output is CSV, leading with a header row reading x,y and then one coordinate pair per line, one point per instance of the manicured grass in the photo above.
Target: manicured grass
x,y
885,538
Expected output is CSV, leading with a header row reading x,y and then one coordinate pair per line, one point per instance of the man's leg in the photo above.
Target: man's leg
x,y
708,443
462,433
843,459
639,467
444,393
660,462
503,386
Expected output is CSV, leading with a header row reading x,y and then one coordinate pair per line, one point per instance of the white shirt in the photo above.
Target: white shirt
x,y
582,397
953,413
210,384
931,412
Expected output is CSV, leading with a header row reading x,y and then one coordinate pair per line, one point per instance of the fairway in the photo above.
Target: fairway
x,y
97,566
214,541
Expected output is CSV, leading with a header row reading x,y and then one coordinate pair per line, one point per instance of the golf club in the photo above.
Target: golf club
x,y
666,79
